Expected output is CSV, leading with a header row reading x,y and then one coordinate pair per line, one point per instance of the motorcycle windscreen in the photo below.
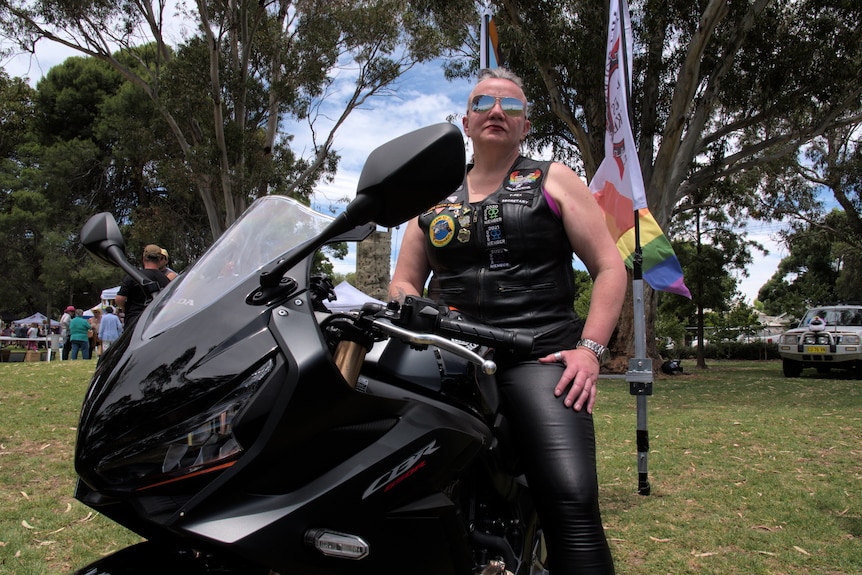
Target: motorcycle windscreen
x,y
272,226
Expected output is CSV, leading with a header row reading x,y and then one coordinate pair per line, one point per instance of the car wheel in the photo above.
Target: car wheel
x,y
792,368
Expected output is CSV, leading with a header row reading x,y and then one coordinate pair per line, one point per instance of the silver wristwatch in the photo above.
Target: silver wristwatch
x,y
602,353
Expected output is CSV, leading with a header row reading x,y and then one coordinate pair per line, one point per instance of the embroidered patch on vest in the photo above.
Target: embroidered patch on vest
x,y
492,214
441,230
499,259
524,198
520,181
494,236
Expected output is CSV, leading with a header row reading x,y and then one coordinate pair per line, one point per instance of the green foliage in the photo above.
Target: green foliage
x,y
739,320
16,110
176,142
584,291
69,99
731,350
820,268
716,110
670,333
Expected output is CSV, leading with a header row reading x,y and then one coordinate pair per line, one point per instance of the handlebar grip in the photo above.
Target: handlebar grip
x,y
500,339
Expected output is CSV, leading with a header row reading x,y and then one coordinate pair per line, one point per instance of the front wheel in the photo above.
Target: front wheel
x,y
792,368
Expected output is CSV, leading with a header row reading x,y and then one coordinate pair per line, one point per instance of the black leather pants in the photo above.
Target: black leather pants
x,y
558,451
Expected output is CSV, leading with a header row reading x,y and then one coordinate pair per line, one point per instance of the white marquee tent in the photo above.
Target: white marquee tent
x,y
36,318
109,295
349,298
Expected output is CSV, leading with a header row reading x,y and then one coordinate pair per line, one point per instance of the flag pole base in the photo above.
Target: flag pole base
x,y
643,486
640,376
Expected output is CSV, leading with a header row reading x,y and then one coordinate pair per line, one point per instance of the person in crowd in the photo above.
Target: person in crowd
x,y
79,336
95,347
163,266
500,250
65,320
131,297
110,329
33,337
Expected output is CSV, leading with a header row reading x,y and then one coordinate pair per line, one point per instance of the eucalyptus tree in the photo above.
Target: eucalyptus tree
x,y
248,67
54,176
822,266
720,88
16,99
825,247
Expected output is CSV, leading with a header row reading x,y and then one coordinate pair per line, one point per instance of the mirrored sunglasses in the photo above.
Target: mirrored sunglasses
x,y
511,106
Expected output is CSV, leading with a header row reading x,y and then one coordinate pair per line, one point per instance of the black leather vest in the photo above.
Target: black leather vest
x,y
506,260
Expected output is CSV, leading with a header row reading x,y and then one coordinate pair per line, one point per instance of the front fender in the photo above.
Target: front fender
x,y
148,558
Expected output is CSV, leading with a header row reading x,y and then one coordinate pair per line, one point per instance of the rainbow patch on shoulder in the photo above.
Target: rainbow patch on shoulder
x,y
519,180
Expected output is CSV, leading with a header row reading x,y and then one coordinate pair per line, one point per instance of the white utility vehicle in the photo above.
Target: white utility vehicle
x,y
828,337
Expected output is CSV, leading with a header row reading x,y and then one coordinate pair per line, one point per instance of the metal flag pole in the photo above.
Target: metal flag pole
x,y
639,374
485,41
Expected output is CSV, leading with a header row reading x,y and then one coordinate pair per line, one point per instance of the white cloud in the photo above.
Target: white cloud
x,y
763,266
35,66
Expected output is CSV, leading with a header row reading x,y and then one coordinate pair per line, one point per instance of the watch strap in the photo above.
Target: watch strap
x,y
595,347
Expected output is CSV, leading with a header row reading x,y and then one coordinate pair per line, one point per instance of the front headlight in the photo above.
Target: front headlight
x,y
789,339
849,339
198,445
817,339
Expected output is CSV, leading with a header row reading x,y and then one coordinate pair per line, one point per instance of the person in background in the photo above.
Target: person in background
x,y
163,266
131,297
110,329
33,336
79,336
65,320
500,249
95,343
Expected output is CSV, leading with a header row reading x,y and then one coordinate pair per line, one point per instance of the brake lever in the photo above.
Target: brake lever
x,y
488,366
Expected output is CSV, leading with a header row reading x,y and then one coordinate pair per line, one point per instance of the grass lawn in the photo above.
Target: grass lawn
x,y
751,473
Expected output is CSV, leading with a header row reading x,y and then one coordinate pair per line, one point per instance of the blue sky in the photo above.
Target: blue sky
x,y
422,97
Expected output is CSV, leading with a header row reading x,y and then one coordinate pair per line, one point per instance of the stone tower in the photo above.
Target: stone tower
x,y
372,265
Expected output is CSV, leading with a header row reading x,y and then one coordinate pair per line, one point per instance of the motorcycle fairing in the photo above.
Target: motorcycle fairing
x,y
147,558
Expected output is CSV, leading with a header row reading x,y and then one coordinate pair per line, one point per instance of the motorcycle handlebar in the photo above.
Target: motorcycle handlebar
x,y
426,316
501,339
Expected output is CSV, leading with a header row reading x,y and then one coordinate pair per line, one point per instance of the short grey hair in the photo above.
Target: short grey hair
x,y
501,74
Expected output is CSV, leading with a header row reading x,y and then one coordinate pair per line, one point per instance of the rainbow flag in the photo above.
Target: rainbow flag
x,y
618,184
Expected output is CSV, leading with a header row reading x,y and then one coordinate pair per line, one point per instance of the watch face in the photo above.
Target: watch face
x,y
604,356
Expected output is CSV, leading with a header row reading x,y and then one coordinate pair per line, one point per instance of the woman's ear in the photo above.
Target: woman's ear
x,y
466,128
526,129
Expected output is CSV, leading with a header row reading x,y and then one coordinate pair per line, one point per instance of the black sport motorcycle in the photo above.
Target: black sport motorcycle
x,y
241,428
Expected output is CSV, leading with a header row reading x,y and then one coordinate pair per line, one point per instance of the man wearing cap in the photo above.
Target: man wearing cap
x,y
163,266
131,297
65,320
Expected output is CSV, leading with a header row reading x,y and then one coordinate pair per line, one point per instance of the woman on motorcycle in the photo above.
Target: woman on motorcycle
x,y
500,250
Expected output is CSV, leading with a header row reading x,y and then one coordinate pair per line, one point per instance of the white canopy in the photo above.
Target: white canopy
x,y
36,318
349,298
109,295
